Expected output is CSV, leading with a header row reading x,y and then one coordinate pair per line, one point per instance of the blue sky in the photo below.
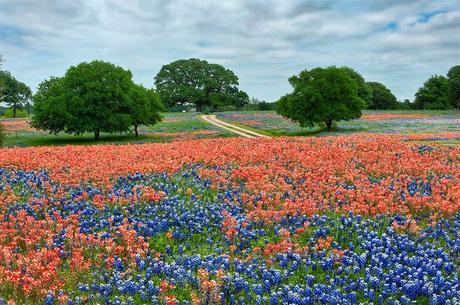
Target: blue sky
x,y
399,43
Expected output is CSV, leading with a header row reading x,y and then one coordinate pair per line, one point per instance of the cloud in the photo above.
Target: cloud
x,y
397,43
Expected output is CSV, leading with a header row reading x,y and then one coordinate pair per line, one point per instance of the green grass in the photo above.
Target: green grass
x,y
175,126
180,126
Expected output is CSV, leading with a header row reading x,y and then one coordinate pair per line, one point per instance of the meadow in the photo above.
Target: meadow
x,y
174,127
377,121
352,218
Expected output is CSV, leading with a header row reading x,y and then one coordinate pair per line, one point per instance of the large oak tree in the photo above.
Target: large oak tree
x,y
199,83
93,97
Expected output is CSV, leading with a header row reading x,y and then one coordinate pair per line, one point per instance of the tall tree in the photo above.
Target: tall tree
x,y
197,82
145,107
433,94
14,93
381,97
454,86
321,95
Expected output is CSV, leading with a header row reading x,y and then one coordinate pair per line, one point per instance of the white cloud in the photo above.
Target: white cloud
x,y
397,43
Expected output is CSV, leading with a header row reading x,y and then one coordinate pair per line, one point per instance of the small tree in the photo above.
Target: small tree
x,y
433,94
381,97
14,93
454,86
145,107
321,95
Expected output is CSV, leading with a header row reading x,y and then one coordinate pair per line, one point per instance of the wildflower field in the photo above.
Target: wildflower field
x,y
405,121
351,219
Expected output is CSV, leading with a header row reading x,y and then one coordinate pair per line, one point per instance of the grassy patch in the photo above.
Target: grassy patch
x,y
175,126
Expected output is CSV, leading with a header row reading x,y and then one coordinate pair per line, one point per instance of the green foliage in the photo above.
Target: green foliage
x,y
405,105
434,94
199,83
381,97
144,107
364,92
206,110
259,105
14,93
321,95
454,86
50,105
20,113
93,97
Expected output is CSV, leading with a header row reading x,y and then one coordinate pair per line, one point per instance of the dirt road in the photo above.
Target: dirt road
x,y
212,119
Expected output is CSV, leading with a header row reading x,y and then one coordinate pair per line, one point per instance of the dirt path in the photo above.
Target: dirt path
x,y
212,119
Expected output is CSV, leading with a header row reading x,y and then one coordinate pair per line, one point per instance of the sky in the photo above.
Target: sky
x,y
399,43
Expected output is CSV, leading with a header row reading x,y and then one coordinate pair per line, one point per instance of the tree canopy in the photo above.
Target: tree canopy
x,y
144,107
433,94
364,92
381,97
321,95
93,97
199,83
14,93
454,86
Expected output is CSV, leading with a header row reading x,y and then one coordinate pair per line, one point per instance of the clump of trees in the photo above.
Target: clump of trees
x,y
259,105
453,84
201,84
433,94
94,97
381,97
322,95
440,92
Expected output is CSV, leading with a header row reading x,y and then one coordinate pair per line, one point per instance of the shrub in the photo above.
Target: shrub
x,y
20,113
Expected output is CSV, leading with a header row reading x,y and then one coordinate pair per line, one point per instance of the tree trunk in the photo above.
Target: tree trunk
x,y
135,130
329,125
96,134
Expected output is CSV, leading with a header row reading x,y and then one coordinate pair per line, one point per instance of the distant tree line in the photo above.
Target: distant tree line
x,y
100,97
327,95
